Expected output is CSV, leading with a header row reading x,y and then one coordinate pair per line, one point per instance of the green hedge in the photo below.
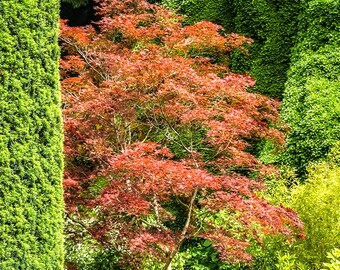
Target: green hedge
x,y
311,104
31,159
217,11
271,23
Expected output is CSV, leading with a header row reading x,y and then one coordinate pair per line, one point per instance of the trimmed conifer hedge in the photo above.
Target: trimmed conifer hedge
x,y
271,23
311,104
217,11
31,160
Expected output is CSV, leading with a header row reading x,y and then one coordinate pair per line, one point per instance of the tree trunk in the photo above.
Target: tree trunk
x,y
31,160
184,232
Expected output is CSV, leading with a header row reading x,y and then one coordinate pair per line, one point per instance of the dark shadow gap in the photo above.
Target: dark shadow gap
x,y
80,16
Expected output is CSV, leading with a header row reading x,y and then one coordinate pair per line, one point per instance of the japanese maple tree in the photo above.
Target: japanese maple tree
x,y
157,136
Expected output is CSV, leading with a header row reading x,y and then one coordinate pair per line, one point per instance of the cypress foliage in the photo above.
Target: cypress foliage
x,y
31,163
312,96
317,202
217,11
271,23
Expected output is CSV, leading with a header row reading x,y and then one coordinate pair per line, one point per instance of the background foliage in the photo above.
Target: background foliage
x,y
76,3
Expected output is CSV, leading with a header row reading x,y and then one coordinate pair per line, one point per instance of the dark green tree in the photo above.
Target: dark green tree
x,y
31,160
217,11
271,23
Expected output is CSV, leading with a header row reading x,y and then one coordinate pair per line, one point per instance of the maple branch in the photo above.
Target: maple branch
x,y
201,220
182,203
155,204
176,132
102,117
128,127
88,230
81,53
184,232
147,135
72,94
81,224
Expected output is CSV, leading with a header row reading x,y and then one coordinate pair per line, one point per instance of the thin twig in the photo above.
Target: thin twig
x,y
81,53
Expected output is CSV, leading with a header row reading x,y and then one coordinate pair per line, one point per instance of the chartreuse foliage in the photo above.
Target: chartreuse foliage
x,y
317,202
271,23
334,260
311,104
30,137
318,205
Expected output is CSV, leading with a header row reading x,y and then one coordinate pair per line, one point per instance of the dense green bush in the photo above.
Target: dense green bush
x,y
312,98
31,163
275,29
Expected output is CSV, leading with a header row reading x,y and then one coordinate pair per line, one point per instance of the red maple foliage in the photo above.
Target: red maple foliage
x,y
154,120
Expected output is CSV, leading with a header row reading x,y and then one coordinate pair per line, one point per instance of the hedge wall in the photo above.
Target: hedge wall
x,y
311,104
31,163
217,11
271,23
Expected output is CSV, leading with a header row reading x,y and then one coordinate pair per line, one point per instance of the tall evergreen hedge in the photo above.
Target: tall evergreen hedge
x,y
311,104
217,11
271,23
31,160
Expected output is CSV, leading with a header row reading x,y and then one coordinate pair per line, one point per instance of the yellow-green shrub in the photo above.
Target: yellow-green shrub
x,y
318,205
